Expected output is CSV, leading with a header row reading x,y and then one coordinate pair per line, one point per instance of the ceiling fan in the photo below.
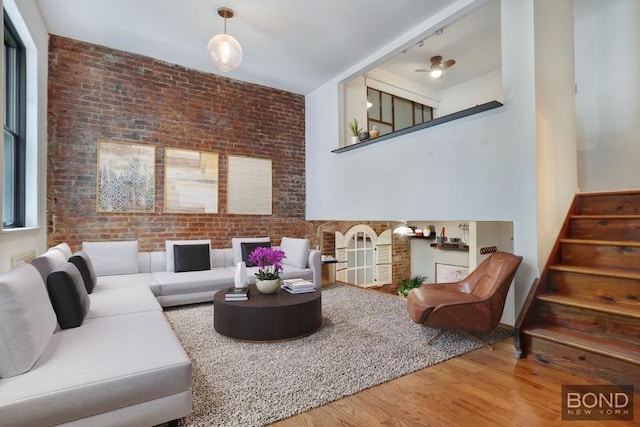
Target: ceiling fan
x,y
436,71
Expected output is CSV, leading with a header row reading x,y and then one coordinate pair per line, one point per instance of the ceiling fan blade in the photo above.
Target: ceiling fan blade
x,y
436,60
422,70
448,63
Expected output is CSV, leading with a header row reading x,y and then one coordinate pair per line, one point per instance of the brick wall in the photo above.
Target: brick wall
x,y
100,93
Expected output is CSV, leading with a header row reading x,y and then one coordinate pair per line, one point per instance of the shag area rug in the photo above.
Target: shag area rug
x,y
366,338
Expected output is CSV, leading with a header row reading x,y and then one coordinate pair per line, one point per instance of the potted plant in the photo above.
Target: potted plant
x,y
407,284
355,129
269,263
374,132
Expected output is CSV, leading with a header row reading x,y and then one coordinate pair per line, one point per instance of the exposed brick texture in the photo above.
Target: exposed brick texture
x,y
100,93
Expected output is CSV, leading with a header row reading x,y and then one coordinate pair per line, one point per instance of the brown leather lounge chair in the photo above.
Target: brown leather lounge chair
x,y
473,304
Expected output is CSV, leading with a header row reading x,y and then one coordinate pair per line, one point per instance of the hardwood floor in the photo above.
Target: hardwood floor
x,y
481,388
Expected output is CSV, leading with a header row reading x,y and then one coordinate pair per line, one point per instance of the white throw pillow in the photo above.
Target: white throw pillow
x,y
27,319
64,248
111,258
236,245
169,244
296,251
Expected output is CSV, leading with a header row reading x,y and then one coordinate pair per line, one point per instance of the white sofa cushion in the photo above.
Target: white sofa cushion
x,y
110,302
157,261
169,244
47,262
290,272
140,280
236,245
296,251
112,258
27,319
195,281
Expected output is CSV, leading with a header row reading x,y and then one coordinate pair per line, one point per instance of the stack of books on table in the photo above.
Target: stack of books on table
x,y
237,294
298,286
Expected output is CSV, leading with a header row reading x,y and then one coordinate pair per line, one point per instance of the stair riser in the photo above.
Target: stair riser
x,y
610,204
607,325
616,257
605,229
596,288
581,362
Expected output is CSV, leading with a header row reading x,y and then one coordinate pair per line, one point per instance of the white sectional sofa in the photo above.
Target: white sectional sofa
x,y
119,264
122,365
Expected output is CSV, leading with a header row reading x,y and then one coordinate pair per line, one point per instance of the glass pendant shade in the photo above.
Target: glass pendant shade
x,y
225,53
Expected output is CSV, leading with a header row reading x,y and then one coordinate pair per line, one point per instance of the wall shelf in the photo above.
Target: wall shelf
x,y
464,248
444,119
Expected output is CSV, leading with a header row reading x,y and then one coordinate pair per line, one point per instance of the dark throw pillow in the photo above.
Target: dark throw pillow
x,y
68,295
82,261
248,247
191,257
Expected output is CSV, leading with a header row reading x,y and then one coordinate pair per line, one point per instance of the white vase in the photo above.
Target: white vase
x,y
355,139
268,286
240,278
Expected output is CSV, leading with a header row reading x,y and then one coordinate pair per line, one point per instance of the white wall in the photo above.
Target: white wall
x,y
481,167
492,233
355,94
476,91
607,57
424,257
26,15
555,119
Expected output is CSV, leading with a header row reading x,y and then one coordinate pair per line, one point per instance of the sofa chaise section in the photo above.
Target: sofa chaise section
x,y
123,365
107,364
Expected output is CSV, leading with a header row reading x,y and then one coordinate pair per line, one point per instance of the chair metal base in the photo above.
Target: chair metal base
x,y
465,333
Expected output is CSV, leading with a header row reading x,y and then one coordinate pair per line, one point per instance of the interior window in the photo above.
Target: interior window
x,y
360,259
389,113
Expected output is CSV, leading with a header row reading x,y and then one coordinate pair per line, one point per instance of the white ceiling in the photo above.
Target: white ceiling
x,y
473,41
293,45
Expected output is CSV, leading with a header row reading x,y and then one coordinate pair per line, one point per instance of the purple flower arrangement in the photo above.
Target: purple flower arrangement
x,y
269,261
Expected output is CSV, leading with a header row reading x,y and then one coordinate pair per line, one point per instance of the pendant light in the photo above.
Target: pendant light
x,y
225,53
403,230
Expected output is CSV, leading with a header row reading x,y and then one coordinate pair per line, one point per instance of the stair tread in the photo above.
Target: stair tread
x,y
603,216
593,343
598,271
612,193
628,243
621,309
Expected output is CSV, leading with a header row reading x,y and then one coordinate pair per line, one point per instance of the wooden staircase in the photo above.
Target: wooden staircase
x,y
583,315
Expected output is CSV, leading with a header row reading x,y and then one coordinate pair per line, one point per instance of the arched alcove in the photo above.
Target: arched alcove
x,y
364,257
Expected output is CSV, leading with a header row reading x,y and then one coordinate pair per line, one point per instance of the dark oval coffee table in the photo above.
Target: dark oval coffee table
x,y
280,316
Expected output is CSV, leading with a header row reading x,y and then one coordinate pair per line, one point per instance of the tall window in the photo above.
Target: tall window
x,y
14,70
